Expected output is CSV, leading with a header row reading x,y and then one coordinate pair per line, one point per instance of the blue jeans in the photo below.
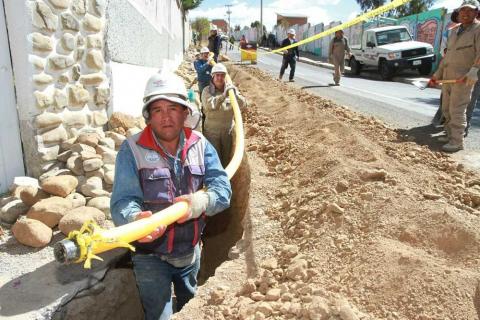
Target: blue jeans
x,y
154,281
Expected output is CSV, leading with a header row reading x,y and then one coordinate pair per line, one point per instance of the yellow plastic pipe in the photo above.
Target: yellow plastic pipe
x,y
84,245
234,164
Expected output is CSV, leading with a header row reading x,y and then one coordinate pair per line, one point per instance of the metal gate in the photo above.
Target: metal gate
x,y
11,156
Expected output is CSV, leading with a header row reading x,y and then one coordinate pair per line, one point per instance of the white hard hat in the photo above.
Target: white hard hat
x,y
213,28
166,86
204,50
292,31
219,68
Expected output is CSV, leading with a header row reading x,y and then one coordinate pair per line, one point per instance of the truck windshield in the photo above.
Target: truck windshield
x,y
392,36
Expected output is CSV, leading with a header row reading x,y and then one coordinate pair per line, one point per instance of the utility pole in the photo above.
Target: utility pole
x,y
261,21
229,33
229,12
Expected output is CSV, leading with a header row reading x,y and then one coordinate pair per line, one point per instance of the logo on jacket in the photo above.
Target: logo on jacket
x,y
152,156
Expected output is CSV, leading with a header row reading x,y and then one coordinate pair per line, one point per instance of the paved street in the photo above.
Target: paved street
x,y
402,106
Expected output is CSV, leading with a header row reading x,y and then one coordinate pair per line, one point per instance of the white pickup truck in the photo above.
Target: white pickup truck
x,y
390,49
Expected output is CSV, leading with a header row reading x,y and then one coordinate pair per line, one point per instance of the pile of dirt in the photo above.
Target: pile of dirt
x,y
348,220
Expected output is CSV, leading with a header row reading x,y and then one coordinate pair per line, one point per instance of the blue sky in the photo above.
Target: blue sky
x,y
246,11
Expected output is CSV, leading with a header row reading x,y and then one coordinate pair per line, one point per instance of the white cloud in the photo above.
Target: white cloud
x,y
244,14
448,4
352,15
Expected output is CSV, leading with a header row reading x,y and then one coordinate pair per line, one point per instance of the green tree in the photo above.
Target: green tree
x,y
413,7
256,24
190,4
202,26
237,28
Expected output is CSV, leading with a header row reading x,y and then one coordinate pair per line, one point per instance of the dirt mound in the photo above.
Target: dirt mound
x,y
348,219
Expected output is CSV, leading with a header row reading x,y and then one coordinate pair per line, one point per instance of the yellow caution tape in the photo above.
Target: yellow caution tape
x,y
362,18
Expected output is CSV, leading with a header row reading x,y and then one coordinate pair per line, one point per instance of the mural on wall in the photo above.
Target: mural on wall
x,y
429,27
427,31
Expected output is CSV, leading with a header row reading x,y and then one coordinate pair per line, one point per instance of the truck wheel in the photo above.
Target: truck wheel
x,y
386,72
425,68
355,66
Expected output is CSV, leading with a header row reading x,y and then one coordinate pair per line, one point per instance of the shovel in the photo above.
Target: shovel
x,y
423,84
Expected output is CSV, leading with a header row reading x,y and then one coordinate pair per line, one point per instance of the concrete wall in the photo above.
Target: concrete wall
x,y
11,157
142,38
69,56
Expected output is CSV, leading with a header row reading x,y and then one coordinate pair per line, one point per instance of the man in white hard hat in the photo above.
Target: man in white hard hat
x,y
204,68
214,42
218,126
166,163
289,56
461,62
337,49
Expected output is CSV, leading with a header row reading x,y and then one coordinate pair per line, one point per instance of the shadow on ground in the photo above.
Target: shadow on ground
x,y
423,135
52,285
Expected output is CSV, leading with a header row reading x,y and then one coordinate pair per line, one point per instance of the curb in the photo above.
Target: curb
x,y
325,65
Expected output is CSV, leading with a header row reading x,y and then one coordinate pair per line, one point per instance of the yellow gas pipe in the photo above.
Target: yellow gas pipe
x,y
90,240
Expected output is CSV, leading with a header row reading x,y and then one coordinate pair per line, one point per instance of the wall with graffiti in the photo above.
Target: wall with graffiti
x,y
427,27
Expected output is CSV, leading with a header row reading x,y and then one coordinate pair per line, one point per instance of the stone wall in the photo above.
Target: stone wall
x,y
61,67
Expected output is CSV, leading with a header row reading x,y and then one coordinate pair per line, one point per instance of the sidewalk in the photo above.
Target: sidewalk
x,y
406,76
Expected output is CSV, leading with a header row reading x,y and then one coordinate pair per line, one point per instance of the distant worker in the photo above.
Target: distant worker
x,y
243,42
194,38
461,62
214,42
203,67
218,127
232,42
336,53
167,163
289,56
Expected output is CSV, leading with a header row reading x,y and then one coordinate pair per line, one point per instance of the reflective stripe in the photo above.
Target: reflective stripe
x,y
171,237
195,234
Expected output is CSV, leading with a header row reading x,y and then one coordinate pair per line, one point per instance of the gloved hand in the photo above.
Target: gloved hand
x,y
298,58
432,82
229,86
157,233
226,105
472,76
198,204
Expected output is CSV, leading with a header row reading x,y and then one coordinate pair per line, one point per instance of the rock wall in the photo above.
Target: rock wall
x,y
61,81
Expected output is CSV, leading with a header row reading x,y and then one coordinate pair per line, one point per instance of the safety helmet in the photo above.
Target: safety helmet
x,y
167,86
219,68
213,28
470,4
204,50
291,31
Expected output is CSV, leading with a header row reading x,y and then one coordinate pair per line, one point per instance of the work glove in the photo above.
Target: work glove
x,y
432,82
198,202
229,86
472,76
157,233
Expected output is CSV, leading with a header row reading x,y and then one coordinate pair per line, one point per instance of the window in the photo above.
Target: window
x,y
393,36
